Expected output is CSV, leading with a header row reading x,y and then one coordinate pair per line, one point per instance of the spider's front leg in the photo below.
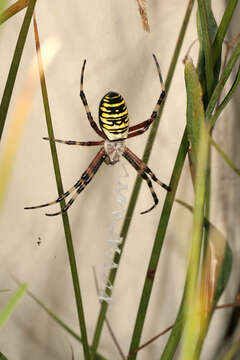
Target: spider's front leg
x,y
84,101
143,126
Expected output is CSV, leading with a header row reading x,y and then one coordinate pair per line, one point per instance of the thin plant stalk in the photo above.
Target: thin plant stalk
x,y
138,181
156,251
190,335
66,225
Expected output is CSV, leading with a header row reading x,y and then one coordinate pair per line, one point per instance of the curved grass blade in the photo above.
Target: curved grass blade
x,y
12,10
205,40
6,98
138,181
225,157
222,81
222,29
67,230
227,98
212,28
8,309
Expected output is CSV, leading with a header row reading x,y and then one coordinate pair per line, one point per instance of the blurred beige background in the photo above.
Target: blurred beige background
x,y
109,35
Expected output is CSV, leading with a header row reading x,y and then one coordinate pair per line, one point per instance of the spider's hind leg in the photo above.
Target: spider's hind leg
x,y
147,170
143,170
79,186
60,198
142,173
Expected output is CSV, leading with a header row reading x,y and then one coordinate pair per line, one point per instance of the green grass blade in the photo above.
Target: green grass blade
x,y
225,157
55,317
59,321
2,6
2,357
176,332
216,270
222,81
190,333
232,352
227,98
12,10
190,336
206,46
212,27
6,98
156,251
220,284
138,181
195,112
8,309
223,27
66,225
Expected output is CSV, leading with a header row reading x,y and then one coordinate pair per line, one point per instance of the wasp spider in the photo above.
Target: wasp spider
x,y
114,124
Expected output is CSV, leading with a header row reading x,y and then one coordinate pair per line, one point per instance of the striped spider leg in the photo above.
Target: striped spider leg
x,y
71,142
84,101
143,170
80,184
143,126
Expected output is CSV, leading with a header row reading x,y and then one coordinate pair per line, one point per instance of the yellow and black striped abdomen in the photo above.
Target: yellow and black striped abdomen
x,y
113,116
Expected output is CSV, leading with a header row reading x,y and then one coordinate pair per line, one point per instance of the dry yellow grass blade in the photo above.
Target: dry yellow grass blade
x,y
142,7
13,9
20,114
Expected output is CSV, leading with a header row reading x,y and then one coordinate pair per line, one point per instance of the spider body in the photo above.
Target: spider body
x,y
114,151
113,116
114,130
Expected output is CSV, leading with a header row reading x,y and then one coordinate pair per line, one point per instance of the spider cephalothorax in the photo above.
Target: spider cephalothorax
x,y
114,151
114,124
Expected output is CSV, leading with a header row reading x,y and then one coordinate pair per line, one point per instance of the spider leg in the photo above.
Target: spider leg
x,y
136,133
145,124
70,142
84,100
80,184
146,169
142,173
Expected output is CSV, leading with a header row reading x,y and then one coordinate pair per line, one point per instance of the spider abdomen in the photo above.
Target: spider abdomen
x,y
113,116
